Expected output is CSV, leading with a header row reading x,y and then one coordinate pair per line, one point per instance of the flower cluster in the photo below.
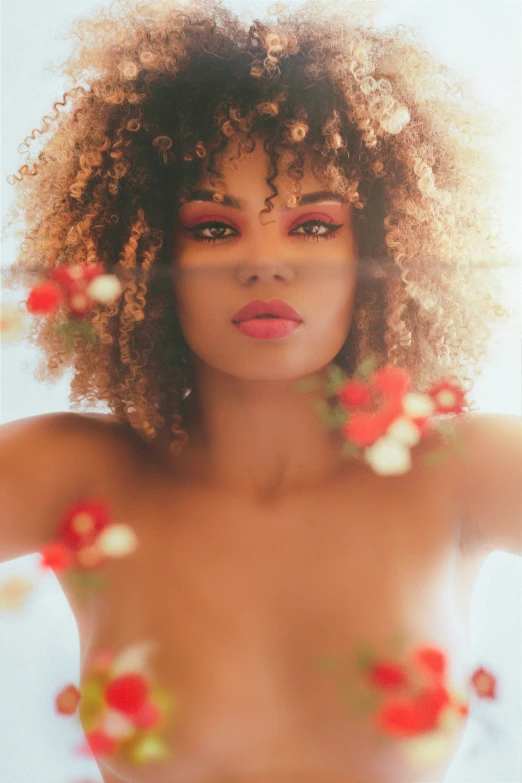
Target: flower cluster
x,y
76,287
409,699
381,417
122,709
87,538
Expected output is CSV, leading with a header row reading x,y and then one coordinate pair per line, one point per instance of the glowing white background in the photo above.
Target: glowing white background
x,y
39,648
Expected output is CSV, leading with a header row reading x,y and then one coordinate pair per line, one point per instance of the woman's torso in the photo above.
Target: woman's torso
x,y
244,600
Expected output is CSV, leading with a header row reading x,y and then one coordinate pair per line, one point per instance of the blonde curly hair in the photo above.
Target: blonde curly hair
x,y
388,127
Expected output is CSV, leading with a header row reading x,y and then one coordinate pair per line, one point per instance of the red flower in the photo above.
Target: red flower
x,y
447,396
127,693
386,675
392,382
408,717
56,555
354,394
83,522
390,410
432,660
44,298
363,428
67,700
484,683
148,716
73,278
101,743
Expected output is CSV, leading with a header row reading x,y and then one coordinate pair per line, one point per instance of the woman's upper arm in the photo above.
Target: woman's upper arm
x,y
43,461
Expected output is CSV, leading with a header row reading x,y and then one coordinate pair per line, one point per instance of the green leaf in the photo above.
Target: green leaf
x,y
339,415
336,379
365,657
322,408
349,450
87,581
367,367
307,385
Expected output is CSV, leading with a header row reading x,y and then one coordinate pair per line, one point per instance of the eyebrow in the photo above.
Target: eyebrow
x,y
235,203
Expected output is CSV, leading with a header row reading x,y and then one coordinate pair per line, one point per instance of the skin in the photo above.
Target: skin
x,y
249,428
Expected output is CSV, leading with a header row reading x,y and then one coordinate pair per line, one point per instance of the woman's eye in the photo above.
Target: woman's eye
x,y
316,227
211,225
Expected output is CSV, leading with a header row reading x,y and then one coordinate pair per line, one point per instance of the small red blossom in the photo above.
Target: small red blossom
x,y
364,428
73,278
431,659
67,700
127,693
44,298
56,555
391,382
409,717
354,394
447,396
100,743
484,683
386,675
147,717
83,522
390,410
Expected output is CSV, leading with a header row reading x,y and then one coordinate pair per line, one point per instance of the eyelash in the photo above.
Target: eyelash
x,y
334,227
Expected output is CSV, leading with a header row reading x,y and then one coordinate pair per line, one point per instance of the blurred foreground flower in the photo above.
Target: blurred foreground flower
x,y
379,415
13,323
87,539
75,287
14,591
409,699
123,711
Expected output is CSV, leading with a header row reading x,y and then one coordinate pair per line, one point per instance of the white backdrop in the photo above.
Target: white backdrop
x,y
39,646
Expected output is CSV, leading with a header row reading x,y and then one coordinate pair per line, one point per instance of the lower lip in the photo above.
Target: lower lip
x,y
267,328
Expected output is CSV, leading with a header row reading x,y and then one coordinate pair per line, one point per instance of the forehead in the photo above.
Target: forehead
x,y
246,172
235,160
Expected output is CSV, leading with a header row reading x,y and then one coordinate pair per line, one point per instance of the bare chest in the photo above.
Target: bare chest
x,y
246,604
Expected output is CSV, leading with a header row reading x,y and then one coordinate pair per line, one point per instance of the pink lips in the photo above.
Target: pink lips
x,y
249,321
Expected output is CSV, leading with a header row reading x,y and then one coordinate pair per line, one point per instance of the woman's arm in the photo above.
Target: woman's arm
x,y
489,483
44,461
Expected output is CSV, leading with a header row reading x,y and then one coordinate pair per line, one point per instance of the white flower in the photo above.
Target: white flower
x,y
134,659
117,540
405,431
428,749
446,398
418,406
388,457
104,288
116,725
13,323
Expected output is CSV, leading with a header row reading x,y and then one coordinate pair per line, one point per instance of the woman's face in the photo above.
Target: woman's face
x,y
304,256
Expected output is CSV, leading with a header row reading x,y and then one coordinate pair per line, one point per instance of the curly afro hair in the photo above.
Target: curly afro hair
x,y
387,126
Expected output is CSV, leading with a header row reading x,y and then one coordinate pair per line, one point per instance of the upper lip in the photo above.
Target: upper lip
x,y
272,307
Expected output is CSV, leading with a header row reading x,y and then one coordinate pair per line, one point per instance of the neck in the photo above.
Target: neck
x,y
263,438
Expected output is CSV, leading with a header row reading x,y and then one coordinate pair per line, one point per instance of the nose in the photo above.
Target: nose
x,y
265,272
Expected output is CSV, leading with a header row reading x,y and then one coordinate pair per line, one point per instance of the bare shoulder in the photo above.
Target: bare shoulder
x,y
47,461
488,480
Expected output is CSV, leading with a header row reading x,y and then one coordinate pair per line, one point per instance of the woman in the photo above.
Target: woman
x,y
197,164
